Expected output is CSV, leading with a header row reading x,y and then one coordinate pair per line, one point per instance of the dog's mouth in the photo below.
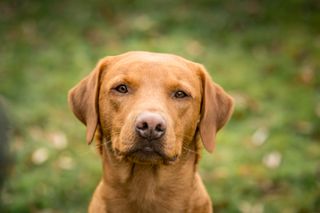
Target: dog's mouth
x,y
147,154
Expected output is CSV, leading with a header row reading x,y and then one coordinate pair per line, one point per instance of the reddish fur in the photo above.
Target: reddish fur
x,y
135,184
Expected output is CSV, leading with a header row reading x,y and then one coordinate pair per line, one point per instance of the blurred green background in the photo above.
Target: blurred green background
x,y
265,53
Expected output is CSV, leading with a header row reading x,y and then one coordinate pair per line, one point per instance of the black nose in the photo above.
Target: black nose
x,y
150,125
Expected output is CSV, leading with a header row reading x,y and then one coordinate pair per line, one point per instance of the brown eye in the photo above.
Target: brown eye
x,y
180,94
122,88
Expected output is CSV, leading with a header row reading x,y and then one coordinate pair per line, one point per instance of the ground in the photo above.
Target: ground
x,y
265,53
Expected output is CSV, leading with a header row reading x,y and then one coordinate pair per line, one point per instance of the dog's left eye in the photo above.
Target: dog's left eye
x,y
122,88
180,94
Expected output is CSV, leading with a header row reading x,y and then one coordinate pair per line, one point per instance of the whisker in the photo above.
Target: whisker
x,y
107,142
189,150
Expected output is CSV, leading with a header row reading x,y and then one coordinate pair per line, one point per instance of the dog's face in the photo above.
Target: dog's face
x,y
149,109
150,106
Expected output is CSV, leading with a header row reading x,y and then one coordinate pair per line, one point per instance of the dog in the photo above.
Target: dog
x,y
149,113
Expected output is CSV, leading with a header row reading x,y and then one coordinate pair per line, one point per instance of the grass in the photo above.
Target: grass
x,y
265,53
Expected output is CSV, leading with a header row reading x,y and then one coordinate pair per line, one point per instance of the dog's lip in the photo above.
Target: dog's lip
x,y
148,151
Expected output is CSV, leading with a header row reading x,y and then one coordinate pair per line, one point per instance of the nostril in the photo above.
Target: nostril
x,y
143,126
160,128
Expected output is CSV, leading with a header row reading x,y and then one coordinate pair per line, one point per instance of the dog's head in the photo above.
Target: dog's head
x,y
150,105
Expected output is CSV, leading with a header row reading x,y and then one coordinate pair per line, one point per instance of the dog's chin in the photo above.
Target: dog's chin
x,y
148,155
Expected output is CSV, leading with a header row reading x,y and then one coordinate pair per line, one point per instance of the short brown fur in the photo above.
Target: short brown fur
x,y
166,179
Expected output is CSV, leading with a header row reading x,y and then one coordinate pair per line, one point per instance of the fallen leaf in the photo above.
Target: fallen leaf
x,y
260,136
307,74
58,140
66,163
304,127
272,160
39,156
246,207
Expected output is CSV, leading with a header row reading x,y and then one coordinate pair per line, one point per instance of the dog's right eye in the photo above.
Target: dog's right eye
x,y
122,88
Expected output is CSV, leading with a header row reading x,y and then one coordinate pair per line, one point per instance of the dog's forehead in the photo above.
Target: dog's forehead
x,y
143,56
141,64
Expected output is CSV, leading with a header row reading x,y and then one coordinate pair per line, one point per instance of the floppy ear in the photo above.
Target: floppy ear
x,y
216,109
83,99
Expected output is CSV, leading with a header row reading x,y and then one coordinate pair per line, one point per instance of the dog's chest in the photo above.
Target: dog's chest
x,y
145,191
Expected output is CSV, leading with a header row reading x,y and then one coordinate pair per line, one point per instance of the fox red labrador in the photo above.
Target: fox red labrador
x,y
149,113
